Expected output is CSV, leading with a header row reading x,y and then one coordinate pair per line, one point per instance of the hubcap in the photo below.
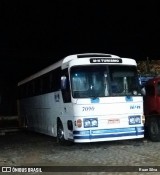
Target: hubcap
x,y
60,133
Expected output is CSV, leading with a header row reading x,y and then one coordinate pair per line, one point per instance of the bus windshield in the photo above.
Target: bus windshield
x,y
103,81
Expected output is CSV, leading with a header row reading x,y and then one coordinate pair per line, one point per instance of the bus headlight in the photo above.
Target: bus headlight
x,y
94,123
87,123
90,122
133,120
137,119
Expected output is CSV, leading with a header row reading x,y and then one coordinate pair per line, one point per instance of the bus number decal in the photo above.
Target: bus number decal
x,y
88,108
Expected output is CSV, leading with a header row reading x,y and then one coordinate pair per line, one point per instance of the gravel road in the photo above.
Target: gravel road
x,y
33,149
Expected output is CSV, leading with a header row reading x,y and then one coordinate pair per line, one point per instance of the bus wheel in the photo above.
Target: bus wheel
x,y
60,135
154,129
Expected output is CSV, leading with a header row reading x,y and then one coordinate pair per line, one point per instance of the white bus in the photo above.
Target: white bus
x,y
84,98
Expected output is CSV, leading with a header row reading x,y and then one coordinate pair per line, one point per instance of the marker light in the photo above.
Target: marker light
x,y
79,123
143,119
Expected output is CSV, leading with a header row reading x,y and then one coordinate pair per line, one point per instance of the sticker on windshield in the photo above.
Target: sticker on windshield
x,y
94,100
128,98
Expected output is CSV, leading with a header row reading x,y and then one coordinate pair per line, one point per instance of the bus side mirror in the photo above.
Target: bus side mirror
x,y
63,82
143,91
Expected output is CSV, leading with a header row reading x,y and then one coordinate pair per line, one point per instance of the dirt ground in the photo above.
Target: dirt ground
x,y
30,149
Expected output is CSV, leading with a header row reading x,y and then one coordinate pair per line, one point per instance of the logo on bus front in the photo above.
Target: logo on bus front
x,y
105,60
135,107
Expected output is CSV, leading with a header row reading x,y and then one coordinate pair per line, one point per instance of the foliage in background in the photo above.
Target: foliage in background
x,y
151,67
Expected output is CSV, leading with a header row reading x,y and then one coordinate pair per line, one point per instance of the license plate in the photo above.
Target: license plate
x,y
113,121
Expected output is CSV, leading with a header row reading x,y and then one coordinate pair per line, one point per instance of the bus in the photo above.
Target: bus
x,y
89,97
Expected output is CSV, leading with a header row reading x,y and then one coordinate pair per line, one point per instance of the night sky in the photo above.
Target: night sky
x,y
36,34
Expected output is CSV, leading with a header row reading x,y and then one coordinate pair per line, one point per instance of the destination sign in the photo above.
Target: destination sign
x,y
105,60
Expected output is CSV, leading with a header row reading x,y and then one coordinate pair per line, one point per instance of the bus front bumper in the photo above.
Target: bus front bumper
x,y
108,134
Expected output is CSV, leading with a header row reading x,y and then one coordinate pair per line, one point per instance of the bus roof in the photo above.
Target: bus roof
x,y
64,61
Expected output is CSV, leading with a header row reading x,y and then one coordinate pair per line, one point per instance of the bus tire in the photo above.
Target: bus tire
x,y
60,135
154,129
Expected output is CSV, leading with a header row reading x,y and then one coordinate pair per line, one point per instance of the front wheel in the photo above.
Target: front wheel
x,y
60,135
154,129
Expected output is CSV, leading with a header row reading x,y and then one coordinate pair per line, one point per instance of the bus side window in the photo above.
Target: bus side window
x,y
46,83
55,80
66,92
38,86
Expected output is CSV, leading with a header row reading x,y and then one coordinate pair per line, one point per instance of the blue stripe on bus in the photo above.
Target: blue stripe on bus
x,y
107,133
